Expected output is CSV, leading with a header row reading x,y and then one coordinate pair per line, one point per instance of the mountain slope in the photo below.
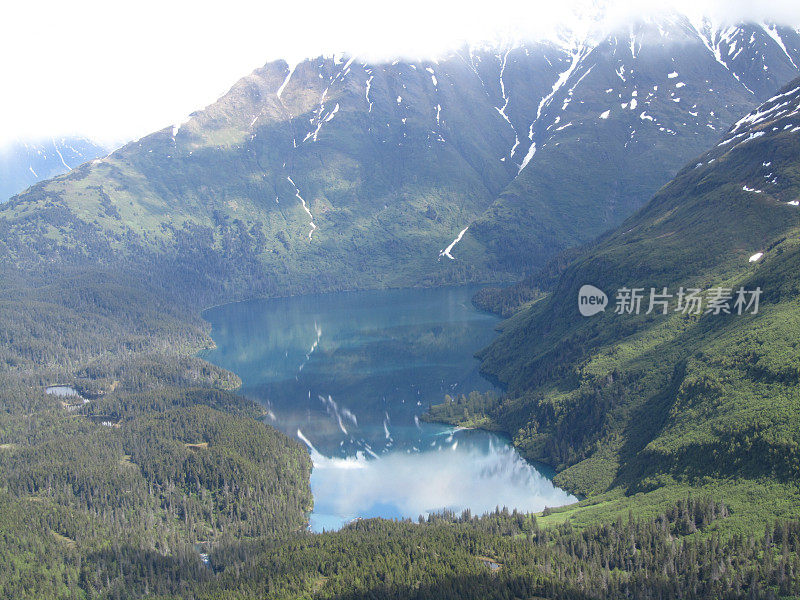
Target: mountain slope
x,y
24,163
607,138
333,173
640,401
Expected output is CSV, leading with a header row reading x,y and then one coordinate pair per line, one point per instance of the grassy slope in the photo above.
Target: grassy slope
x,y
634,410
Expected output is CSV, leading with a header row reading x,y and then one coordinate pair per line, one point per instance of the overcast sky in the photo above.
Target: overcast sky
x,y
116,70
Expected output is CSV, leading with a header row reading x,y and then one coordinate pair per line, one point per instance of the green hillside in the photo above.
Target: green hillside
x,y
638,403
336,174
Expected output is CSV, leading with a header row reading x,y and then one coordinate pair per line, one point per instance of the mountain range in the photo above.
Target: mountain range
x,y
662,158
481,165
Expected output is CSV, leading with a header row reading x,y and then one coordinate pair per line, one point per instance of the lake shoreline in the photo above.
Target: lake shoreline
x,y
350,373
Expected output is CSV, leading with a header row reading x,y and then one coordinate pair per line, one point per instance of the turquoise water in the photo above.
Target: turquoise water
x,y
350,374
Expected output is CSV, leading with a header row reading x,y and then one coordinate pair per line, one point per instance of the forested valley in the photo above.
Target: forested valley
x,y
153,477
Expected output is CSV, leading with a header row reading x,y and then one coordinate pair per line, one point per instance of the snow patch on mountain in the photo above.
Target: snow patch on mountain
x,y
502,109
283,85
577,55
446,251
772,31
304,205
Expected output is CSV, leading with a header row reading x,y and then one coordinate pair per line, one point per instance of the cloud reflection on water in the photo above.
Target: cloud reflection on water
x,y
473,474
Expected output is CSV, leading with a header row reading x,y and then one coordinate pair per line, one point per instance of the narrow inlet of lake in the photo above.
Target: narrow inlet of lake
x,y
350,374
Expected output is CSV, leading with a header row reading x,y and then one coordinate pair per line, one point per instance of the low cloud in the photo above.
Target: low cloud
x,y
116,71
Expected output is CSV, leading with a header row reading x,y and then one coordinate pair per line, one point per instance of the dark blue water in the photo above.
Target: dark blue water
x,y
350,374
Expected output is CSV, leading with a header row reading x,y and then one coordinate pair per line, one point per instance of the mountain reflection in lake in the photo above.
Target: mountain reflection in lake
x,y
350,374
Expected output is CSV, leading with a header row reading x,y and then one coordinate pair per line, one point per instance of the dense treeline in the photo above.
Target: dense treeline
x,y
508,300
503,555
469,410
148,487
505,301
222,474
118,497
112,493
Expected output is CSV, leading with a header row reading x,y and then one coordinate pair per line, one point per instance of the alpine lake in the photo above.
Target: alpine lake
x,y
350,374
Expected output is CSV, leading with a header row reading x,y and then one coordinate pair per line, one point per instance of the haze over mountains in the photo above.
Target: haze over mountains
x,y
481,165
23,163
